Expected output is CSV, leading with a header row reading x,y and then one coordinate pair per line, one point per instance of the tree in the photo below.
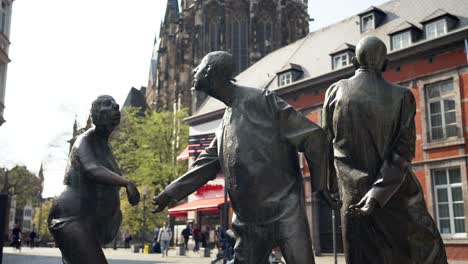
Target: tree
x,y
40,219
22,184
146,147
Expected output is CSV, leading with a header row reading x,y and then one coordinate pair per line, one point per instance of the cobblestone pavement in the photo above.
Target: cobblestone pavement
x,y
120,256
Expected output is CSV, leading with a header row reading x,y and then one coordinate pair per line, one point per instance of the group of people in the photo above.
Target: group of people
x,y
207,236
17,237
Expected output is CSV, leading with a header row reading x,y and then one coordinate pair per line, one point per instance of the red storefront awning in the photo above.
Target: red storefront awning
x,y
184,155
209,204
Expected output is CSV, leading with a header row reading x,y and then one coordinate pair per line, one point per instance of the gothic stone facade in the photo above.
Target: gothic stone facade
x,y
249,29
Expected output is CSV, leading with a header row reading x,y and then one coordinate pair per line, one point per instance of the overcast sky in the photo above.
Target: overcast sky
x,y
66,52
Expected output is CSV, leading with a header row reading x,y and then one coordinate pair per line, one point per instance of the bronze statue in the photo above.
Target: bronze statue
x,y
87,214
370,123
256,148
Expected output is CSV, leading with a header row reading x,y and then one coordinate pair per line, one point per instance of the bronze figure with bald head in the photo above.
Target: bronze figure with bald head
x,y
256,149
87,214
371,132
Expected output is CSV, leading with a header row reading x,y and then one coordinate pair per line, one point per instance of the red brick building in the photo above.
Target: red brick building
x,y
427,42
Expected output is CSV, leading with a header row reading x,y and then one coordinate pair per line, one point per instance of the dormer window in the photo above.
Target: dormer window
x,y
401,40
436,29
439,23
342,56
371,19
285,78
341,60
404,35
289,74
367,23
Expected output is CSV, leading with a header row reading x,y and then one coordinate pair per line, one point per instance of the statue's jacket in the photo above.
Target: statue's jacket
x,y
370,127
256,148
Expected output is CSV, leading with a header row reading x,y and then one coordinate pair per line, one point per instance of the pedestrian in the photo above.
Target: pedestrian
x,y
165,235
211,237
32,238
196,238
127,239
16,237
186,234
204,237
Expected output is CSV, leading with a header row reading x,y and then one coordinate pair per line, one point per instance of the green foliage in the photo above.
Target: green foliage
x,y
22,183
41,211
146,147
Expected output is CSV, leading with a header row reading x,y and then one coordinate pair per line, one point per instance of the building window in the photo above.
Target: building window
x,y
401,40
27,224
27,212
240,44
3,17
449,205
367,23
442,112
265,37
285,78
341,60
213,36
436,29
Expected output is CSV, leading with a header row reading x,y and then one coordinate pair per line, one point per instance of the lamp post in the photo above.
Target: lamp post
x,y
143,231
3,210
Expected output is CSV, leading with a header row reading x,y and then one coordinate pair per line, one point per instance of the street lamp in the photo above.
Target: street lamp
x,y
143,231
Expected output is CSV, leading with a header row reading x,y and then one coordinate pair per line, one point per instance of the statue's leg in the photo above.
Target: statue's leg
x,y
78,243
294,239
253,243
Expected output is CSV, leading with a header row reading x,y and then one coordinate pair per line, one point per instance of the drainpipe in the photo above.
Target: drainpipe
x,y
466,49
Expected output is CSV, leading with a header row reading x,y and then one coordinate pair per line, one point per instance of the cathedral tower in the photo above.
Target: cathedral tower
x,y
249,29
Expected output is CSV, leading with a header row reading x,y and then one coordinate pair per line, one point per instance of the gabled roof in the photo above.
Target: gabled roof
x,y
136,98
402,27
371,9
343,47
313,51
290,66
437,14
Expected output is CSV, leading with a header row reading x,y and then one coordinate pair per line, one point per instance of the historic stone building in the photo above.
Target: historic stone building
x,y
5,18
249,29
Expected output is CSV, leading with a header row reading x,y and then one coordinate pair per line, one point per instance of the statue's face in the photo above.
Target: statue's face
x,y
200,76
108,113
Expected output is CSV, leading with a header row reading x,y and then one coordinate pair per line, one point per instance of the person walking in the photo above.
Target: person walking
x,y
165,235
32,238
196,238
186,234
16,237
127,239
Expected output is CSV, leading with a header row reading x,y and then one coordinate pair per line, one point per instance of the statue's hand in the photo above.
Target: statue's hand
x,y
132,194
365,207
161,201
332,199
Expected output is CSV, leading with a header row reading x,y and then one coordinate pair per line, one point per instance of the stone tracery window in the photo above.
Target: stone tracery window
x,y
239,43
265,36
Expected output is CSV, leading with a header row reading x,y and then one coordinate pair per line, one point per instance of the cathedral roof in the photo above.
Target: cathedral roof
x,y
136,98
312,52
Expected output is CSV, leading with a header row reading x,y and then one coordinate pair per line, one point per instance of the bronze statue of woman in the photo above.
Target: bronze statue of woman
x,y
87,214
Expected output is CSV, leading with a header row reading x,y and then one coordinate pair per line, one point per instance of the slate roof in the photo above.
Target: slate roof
x,y
312,52
136,98
403,26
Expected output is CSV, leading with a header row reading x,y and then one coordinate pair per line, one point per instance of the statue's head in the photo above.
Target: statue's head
x,y
105,112
371,53
215,70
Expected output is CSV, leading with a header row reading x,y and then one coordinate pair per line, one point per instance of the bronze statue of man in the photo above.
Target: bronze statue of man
x,y
370,123
256,148
87,214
